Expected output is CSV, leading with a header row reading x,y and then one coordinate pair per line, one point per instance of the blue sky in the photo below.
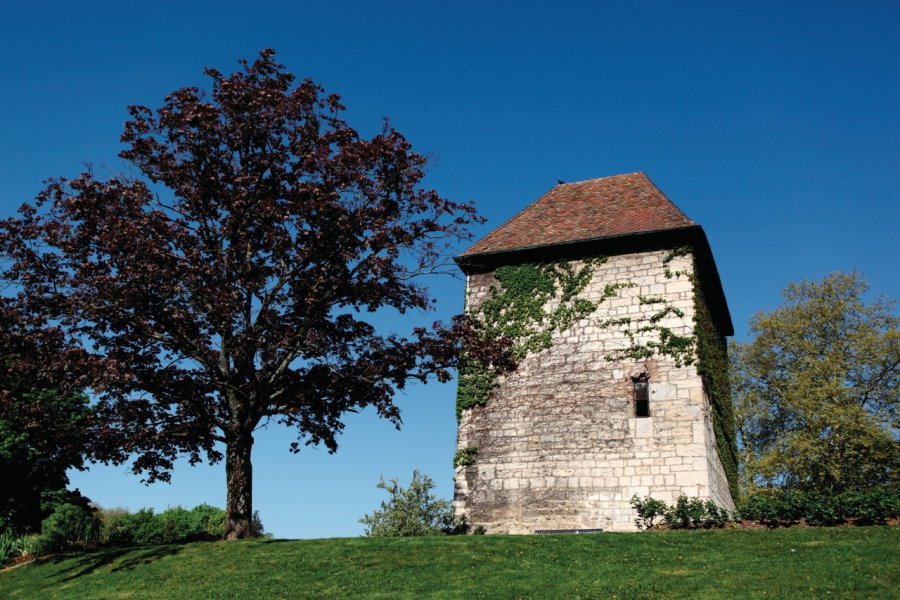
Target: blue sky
x,y
774,125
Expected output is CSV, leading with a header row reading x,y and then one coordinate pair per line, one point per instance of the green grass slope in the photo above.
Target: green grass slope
x,y
857,562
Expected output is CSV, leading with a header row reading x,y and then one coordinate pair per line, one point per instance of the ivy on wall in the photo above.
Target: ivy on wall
x,y
647,337
712,365
518,308
465,456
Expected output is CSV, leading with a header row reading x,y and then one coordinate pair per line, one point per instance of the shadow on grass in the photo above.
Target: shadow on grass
x,y
121,559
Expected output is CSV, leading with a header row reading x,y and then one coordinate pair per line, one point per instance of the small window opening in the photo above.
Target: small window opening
x,y
641,397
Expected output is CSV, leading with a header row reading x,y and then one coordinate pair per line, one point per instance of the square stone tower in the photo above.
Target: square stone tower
x,y
619,321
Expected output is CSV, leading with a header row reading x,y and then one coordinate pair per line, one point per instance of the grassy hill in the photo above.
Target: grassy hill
x,y
860,562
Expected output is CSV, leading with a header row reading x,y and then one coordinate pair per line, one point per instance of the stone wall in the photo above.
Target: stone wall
x,y
558,444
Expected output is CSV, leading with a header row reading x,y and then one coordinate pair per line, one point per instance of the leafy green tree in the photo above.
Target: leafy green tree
x,y
817,389
411,511
43,431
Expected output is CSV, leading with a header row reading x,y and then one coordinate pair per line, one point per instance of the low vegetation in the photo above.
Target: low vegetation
x,y
72,527
776,507
847,562
412,511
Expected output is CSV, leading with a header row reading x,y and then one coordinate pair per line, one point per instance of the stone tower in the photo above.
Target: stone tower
x,y
620,387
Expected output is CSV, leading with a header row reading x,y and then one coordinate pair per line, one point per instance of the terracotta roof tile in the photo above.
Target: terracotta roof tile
x,y
584,210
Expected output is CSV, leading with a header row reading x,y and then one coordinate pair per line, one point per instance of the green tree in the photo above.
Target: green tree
x,y
816,389
43,431
409,511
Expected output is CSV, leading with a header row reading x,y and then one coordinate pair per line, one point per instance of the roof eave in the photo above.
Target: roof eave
x,y
674,237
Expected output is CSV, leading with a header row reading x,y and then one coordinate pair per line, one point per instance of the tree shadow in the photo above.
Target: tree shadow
x,y
123,559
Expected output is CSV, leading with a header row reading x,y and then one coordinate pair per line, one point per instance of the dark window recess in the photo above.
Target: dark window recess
x,y
641,397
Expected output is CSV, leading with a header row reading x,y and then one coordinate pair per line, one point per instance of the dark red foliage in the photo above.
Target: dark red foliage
x,y
235,280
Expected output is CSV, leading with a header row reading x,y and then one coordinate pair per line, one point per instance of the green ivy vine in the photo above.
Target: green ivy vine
x,y
465,456
712,365
517,308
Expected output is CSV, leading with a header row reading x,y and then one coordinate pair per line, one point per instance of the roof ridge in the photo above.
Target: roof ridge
x,y
599,179
547,193
610,206
669,200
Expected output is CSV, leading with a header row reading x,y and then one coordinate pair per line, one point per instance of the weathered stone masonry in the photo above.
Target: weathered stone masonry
x,y
559,445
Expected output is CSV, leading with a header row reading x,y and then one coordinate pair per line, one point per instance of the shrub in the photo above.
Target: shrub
x,y
141,527
113,529
12,545
210,520
786,507
686,513
70,525
175,524
876,505
33,545
411,511
8,546
256,526
820,509
648,511
773,508
714,516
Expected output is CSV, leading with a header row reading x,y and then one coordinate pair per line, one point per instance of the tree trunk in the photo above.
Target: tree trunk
x,y
239,475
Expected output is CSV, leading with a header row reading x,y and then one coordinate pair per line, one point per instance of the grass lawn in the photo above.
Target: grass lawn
x,y
849,562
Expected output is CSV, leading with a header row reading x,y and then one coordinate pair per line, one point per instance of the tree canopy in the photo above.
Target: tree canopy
x,y
232,279
817,389
43,430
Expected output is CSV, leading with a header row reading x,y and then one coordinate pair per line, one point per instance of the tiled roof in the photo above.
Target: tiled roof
x,y
585,210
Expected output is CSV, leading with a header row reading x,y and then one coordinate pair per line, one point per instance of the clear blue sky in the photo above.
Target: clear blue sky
x,y
774,125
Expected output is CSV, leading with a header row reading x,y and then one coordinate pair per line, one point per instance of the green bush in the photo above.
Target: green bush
x,y
12,545
876,505
70,525
648,510
175,524
411,511
714,516
783,508
819,509
686,513
114,527
73,526
211,520
178,525
34,545
8,546
141,527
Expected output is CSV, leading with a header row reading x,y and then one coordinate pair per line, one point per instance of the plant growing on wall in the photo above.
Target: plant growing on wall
x,y
529,303
532,301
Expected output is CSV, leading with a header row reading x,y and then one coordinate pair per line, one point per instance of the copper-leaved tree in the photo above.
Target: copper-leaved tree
x,y
234,279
